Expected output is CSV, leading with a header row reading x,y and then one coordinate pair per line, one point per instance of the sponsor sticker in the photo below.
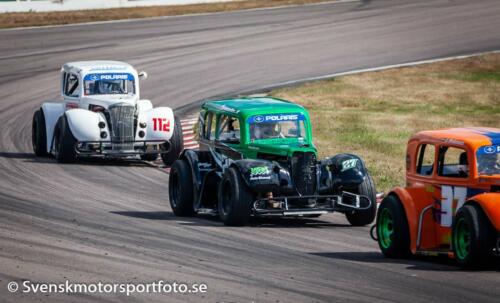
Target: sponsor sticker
x,y
259,170
348,164
490,149
276,118
113,76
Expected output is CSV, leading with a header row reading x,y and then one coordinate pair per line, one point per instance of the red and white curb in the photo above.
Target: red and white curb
x,y
188,132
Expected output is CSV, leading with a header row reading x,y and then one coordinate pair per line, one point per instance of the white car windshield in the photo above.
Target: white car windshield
x,y
109,84
277,126
488,160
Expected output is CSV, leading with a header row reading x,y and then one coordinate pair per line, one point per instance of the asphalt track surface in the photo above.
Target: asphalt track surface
x,y
111,222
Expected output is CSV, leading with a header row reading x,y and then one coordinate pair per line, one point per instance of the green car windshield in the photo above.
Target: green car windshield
x,y
488,160
277,127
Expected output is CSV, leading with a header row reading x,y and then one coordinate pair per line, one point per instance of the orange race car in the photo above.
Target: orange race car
x,y
451,202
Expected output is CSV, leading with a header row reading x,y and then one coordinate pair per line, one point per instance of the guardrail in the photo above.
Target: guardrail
x,y
9,6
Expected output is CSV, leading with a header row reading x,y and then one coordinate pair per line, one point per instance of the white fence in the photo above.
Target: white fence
x,y
68,5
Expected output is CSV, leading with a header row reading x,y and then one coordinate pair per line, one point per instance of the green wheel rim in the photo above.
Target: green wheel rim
x,y
462,239
385,228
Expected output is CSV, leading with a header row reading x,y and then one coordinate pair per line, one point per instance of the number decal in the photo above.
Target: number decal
x,y
348,164
453,197
161,124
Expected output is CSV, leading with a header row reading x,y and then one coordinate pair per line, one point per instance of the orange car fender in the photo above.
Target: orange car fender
x,y
409,206
490,203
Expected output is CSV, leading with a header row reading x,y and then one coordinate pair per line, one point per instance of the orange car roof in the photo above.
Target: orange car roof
x,y
472,136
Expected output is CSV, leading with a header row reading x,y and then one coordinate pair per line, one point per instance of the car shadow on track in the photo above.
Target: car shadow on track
x,y
413,263
30,157
207,220
211,220
14,155
293,223
150,215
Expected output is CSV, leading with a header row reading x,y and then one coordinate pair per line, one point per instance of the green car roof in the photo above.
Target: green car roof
x,y
245,107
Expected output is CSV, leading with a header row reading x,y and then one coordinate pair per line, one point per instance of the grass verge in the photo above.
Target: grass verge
x,y
373,114
10,20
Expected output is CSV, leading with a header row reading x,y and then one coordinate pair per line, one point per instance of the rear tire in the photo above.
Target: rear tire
x,y
364,217
180,189
392,228
64,142
149,157
176,144
39,134
472,237
235,199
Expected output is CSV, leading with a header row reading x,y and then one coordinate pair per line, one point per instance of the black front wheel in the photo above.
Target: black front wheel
x,y
364,217
38,134
392,228
176,144
472,237
235,199
64,142
180,189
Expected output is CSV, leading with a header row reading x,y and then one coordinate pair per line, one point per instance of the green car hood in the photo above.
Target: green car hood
x,y
281,147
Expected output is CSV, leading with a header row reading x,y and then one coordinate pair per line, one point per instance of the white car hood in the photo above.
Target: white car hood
x,y
107,100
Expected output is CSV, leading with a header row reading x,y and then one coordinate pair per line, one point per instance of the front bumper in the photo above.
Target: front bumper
x,y
321,204
122,148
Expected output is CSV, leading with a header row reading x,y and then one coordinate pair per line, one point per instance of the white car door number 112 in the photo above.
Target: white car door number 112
x,y
452,197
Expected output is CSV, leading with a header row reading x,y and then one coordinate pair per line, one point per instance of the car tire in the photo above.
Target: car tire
x,y
393,235
39,134
149,157
472,237
64,142
364,217
235,199
176,144
180,189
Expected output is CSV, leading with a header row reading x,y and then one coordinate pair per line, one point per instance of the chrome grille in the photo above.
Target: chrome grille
x,y
121,116
304,173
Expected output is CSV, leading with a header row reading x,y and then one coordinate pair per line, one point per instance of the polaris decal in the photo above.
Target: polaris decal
x,y
98,77
276,118
490,149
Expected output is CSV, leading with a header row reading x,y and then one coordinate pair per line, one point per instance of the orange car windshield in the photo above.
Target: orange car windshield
x,y
488,160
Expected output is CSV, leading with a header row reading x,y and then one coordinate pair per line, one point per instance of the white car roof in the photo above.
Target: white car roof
x,y
98,67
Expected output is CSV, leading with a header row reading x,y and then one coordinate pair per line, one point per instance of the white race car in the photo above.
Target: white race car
x,y
101,114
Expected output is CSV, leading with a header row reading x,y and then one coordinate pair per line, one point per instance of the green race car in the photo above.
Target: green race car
x,y
257,158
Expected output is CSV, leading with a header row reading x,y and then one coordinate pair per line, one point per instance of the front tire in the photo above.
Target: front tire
x,y
39,134
64,142
176,144
472,237
392,228
364,217
235,199
180,189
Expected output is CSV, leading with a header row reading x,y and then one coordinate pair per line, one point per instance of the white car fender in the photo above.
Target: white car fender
x,y
144,105
84,124
52,112
160,124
